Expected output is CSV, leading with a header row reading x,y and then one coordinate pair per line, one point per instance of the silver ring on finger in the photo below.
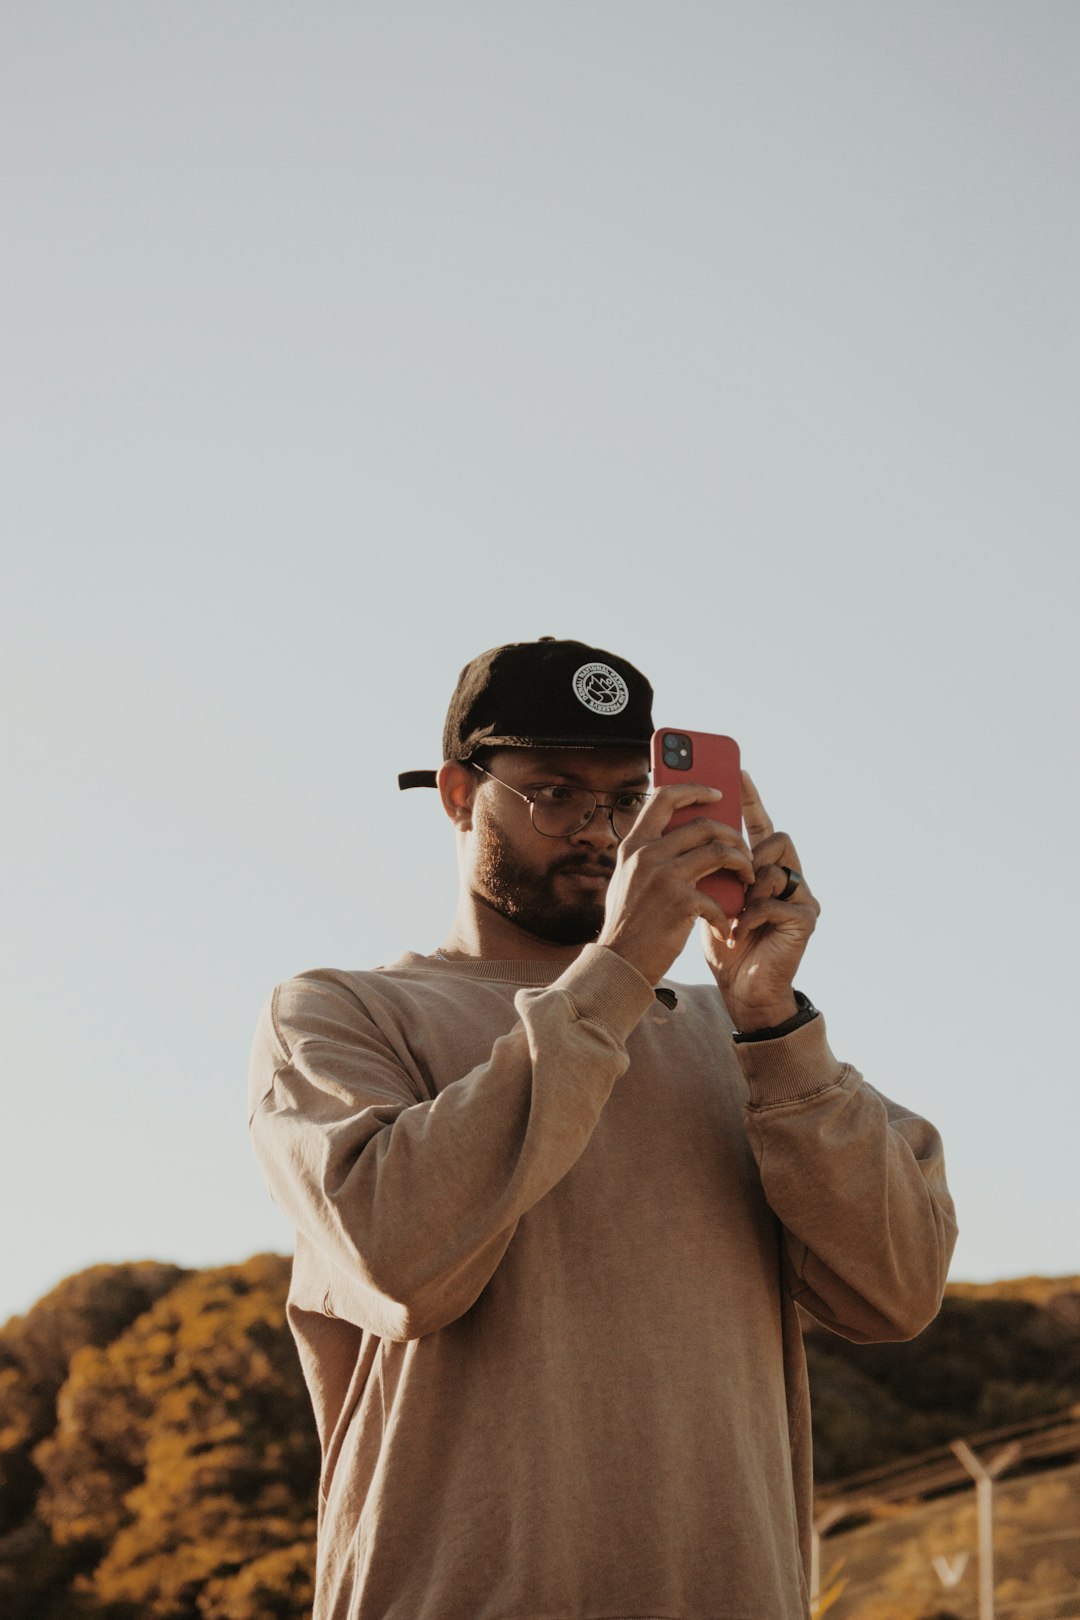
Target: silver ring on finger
x,y
793,880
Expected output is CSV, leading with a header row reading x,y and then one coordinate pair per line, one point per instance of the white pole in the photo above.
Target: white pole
x,y
984,1476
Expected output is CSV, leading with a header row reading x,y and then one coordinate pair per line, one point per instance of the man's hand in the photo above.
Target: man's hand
x,y
653,898
754,959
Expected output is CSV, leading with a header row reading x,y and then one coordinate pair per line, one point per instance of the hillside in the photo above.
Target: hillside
x,y
998,1354
157,1457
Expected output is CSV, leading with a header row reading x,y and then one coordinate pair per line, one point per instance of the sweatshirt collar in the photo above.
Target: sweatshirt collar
x,y
503,971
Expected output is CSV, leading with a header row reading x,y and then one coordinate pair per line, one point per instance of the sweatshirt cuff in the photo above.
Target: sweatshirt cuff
x,y
791,1068
606,990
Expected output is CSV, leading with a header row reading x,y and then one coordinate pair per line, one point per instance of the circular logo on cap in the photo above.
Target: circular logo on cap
x,y
601,689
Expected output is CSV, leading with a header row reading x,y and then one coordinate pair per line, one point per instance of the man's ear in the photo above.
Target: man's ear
x,y
457,784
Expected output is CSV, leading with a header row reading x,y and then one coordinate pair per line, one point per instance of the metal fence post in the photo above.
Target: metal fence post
x,y
984,1475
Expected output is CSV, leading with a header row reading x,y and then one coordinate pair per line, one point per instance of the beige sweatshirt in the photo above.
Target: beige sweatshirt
x,y
549,1239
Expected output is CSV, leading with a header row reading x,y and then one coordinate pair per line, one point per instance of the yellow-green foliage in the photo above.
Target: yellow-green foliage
x,y
182,1471
36,1350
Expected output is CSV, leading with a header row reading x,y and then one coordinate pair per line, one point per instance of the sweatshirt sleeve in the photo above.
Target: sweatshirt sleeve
x,y
858,1183
415,1200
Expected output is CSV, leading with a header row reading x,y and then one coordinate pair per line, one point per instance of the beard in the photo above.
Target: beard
x,y
526,896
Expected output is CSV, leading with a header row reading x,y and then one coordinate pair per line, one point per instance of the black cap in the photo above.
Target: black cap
x,y
544,694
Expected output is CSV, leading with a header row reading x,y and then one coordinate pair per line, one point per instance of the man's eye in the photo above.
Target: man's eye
x,y
559,795
630,801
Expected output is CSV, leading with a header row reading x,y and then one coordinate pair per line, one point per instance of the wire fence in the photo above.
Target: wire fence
x,y
993,1535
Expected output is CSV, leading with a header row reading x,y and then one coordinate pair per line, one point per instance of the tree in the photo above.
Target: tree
x,y
184,1464
36,1351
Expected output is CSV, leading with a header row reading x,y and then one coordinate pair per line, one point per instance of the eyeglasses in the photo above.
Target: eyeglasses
x,y
559,811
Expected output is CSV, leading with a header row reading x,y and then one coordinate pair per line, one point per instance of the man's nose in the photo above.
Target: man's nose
x,y
598,832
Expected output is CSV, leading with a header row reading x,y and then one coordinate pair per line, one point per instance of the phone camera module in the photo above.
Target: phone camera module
x,y
678,755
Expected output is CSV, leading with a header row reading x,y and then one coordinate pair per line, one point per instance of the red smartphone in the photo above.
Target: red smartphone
x,y
699,756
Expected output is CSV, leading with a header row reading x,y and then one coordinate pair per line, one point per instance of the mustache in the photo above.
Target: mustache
x,y
578,863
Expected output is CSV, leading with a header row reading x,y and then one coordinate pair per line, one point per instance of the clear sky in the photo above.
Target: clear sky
x,y
340,342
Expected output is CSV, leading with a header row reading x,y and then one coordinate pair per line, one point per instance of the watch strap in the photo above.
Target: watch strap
x,y
806,1012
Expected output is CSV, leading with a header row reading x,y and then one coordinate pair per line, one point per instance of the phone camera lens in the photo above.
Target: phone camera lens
x,y
671,740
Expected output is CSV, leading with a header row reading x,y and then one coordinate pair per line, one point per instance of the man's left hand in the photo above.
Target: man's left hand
x,y
755,961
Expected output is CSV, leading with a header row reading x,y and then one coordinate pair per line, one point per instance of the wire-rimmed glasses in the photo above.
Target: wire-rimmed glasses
x,y
558,810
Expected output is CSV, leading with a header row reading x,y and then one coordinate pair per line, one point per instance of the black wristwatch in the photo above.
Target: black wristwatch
x,y
806,1012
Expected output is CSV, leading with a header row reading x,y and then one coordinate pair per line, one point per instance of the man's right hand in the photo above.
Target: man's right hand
x,y
653,900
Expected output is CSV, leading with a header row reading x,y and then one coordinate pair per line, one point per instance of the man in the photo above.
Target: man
x,y
551,1223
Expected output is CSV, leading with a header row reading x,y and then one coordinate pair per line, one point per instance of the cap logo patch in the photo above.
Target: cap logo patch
x,y
601,689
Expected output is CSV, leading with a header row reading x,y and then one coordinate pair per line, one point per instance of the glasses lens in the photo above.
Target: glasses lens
x,y
626,810
558,811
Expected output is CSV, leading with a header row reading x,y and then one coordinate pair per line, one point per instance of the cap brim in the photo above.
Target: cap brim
x,y
586,744
429,779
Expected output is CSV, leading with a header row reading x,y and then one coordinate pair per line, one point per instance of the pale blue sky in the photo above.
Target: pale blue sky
x,y
342,342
